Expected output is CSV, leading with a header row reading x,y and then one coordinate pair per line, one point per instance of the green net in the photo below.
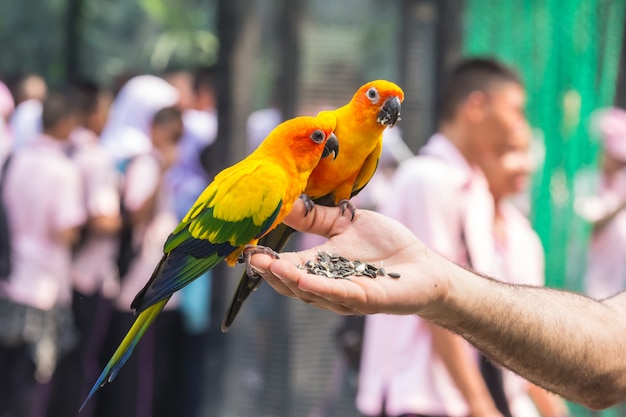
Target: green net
x,y
567,52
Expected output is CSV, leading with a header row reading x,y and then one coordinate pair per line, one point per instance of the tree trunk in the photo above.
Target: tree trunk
x,y
72,39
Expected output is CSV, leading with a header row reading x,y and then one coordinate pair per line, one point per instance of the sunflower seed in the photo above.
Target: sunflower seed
x,y
338,267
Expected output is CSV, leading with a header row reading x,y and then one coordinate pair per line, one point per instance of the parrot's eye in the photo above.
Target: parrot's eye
x,y
372,94
318,136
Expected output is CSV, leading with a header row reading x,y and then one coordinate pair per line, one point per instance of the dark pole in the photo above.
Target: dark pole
x,y
429,28
449,42
417,47
289,18
238,34
72,39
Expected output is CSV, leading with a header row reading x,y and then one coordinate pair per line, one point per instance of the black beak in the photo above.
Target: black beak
x,y
390,112
331,147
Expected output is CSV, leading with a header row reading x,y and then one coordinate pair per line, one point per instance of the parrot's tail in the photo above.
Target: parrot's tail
x,y
276,239
125,349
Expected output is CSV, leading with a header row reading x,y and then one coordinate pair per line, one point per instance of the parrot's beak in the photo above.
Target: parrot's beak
x,y
389,113
331,147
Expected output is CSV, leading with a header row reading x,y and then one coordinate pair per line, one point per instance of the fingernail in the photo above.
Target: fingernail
x,y
259,271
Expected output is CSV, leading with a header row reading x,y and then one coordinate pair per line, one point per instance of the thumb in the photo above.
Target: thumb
x,y
320,221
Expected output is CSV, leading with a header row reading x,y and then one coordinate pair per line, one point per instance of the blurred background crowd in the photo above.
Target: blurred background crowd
x,y
115,115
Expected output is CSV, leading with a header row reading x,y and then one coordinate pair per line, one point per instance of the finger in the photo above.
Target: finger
x,y
261,263
320,221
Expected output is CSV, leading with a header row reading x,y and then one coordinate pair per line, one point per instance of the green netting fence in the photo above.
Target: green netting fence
x,y
568,53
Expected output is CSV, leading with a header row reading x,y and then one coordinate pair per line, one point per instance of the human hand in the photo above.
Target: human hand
x,y
372,238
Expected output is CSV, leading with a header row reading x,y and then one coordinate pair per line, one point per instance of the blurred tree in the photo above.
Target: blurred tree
x,y
69,38
238,30
73,13
32,42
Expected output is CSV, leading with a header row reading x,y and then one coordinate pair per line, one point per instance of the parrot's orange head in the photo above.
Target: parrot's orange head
x,y
308,139
382,99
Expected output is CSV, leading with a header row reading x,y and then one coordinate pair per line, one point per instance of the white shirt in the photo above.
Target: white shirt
x,y
43,196
440,198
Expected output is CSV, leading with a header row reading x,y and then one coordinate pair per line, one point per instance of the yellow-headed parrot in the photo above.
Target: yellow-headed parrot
x,y
360,124
243,203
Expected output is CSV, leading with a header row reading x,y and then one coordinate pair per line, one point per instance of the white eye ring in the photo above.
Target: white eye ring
x,y
372,95
318,136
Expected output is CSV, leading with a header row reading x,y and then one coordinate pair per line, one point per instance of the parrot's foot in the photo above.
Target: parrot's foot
x,y
346,204
250,250
308,203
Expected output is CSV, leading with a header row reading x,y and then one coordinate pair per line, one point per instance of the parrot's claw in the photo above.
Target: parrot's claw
x,y
308,203
346,204
250,250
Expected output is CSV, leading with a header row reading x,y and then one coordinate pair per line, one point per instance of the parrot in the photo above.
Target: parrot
x,y
360,125
243,203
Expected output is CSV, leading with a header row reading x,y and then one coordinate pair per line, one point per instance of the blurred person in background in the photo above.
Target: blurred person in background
x,y
43,198
409,366
7,105
150,383
519,259
188,178
127,131
188,174
94,272
606,209
29,92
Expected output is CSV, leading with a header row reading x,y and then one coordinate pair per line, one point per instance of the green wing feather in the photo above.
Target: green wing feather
x,y
229,214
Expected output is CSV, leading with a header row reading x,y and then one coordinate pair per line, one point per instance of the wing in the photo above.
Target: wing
x,y
239,206
368,169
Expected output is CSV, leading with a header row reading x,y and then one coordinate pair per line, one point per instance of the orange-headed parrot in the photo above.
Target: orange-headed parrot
x,y
242,204
360,124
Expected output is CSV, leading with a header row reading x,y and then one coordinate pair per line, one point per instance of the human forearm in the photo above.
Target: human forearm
x,y
105,225
146,210
69,236
548,404
562,341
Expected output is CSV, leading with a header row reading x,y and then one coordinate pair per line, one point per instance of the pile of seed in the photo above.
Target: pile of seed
x,y
338,267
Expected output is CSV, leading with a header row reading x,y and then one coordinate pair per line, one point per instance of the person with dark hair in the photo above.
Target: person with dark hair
x,y
42,194
470,76
93,273
152,378
410,366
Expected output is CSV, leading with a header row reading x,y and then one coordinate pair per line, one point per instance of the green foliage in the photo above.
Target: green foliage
x,y
31,37
115,37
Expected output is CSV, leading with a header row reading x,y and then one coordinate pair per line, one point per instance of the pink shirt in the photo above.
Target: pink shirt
x,y
94,260
142,178
43,196
606,259
440,198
